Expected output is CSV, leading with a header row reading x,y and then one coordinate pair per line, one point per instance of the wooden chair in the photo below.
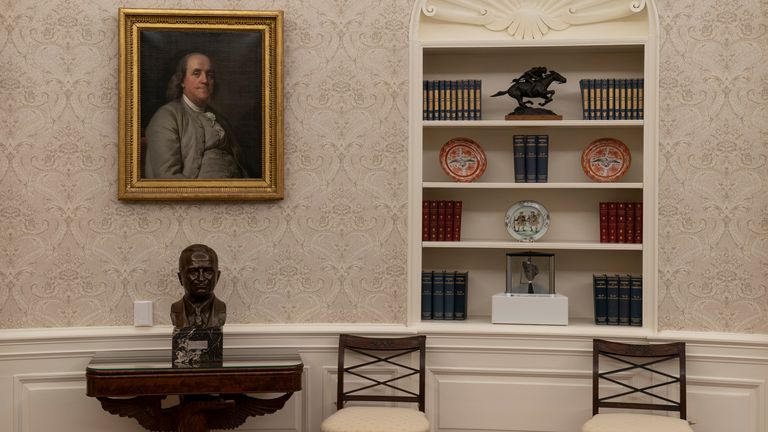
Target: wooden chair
x,y
637,358
381,356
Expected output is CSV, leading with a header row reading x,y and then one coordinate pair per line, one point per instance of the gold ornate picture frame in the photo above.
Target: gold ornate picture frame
x,y
175,144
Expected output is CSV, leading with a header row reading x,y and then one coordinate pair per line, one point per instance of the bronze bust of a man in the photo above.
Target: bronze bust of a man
x,y
198,274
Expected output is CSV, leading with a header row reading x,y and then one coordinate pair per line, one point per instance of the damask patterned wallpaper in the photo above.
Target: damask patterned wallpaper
x,y
713,215
334,250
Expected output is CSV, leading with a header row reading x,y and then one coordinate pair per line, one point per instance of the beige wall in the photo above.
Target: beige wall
x,y
713,166
334,249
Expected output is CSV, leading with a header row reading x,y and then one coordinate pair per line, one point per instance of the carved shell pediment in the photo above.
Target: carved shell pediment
x,y
529,19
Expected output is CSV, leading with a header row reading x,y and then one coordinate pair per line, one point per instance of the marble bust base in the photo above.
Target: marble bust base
x,y
197,347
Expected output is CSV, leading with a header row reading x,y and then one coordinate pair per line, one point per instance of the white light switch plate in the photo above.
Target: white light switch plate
x,y
142,313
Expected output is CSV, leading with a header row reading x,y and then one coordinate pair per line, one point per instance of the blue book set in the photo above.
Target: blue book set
x,y
531,158
451,100
444,295
618,299
612,98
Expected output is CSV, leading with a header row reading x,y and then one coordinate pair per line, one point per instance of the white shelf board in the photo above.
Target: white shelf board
x,y
532,123
576,327
576,185
488,244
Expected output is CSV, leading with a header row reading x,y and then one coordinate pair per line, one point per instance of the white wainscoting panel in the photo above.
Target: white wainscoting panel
x,y
743,401
510,399
57,402
509,382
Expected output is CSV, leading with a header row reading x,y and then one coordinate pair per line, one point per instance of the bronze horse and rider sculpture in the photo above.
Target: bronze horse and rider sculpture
x,y
534,83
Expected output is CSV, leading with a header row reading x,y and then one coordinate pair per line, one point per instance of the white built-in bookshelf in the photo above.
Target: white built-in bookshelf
x,y
446,45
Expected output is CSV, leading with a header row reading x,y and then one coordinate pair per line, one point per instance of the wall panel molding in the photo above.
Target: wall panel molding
x,y
465,373
743,399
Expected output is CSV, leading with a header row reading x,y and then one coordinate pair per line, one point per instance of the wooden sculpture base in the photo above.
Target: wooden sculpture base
x,y
533,117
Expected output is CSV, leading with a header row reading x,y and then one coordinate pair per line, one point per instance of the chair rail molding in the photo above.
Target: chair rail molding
x,y
529,19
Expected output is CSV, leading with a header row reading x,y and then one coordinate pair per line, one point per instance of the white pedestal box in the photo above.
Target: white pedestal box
x,y
547,309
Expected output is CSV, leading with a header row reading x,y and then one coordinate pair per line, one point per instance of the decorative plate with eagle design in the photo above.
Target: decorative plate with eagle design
x,y
463,159
606,159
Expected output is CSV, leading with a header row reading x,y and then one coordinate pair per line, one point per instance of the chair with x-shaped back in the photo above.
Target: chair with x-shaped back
x,y
655,394
383,372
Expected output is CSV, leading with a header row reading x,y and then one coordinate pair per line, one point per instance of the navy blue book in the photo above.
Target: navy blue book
x,y
604,99
441,104
621,99
636,300
461,284
447,113
542,158
633,99
628,99
438,291
530,158
467,99
616,98
477,112
600,284
584,87
612,302
610,99
470,100
426,295
640,99
431,100
624,296
453,98
596,99
518,151
449,295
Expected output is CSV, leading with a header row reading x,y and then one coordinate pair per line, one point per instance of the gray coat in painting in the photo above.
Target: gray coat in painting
x,y
176,143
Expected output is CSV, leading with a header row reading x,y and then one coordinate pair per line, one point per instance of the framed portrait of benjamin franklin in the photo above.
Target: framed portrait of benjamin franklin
x,y
200,105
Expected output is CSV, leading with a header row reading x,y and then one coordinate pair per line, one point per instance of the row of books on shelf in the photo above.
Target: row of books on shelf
x,y
618,299
531,155
441,220
621,222
612,98
444,295
451,100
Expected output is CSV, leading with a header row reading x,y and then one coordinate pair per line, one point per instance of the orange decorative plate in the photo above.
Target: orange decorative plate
x,y
463,159
606,160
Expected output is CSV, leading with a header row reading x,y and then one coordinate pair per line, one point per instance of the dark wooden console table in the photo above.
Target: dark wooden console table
x,y
134,384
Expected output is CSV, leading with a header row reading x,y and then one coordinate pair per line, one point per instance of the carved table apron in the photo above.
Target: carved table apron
x,y
134,384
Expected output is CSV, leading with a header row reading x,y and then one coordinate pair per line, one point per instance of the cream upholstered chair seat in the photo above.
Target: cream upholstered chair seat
x,y
626,422
376,419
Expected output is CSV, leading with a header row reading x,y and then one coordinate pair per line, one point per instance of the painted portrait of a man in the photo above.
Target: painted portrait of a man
x,y
200,95
200,113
